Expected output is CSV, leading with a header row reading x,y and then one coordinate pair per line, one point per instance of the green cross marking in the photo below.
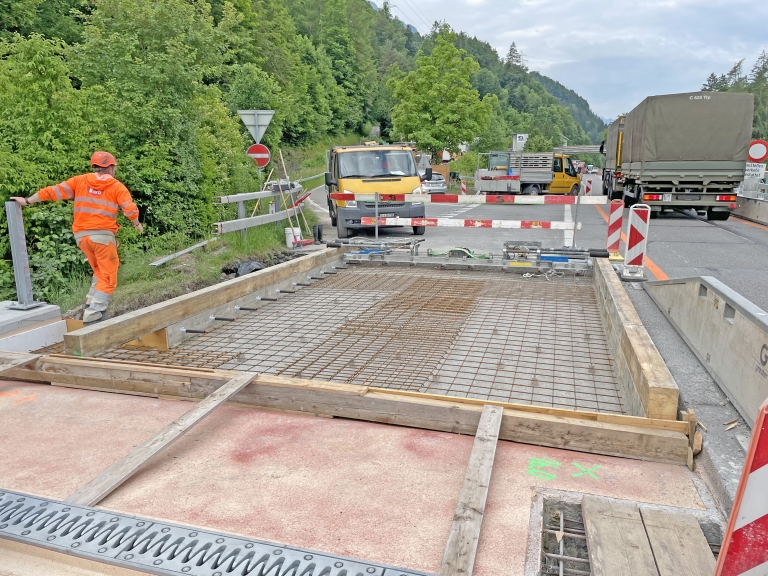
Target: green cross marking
x,y
588,471
536,465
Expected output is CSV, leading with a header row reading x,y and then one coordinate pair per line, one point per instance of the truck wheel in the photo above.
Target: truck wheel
x,y
629,201
341,230
574,191
712,215
419,230
532,189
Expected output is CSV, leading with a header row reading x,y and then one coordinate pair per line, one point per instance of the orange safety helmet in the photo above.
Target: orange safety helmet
x,y
103,159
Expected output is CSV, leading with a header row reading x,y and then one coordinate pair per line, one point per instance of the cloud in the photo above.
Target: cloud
x,y
614,53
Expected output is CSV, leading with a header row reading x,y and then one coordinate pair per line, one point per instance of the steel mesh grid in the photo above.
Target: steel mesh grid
x,y
484,335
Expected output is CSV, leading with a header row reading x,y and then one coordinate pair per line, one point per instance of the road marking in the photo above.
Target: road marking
x,y
568,234
742,221
650,264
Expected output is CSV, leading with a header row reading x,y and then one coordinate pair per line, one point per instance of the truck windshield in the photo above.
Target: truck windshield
x,y
498,161
376,164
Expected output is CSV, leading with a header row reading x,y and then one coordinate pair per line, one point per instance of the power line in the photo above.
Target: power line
x,y
418,9
410,17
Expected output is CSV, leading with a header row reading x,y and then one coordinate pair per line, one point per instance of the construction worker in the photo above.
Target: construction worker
x,y
97,196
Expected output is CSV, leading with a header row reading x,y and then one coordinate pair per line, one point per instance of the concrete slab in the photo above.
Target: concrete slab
x,y
370,491
11,320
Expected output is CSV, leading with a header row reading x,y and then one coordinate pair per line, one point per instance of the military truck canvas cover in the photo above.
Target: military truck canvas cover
x,y
680,127
611,143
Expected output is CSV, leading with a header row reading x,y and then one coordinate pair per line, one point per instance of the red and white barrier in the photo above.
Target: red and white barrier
x,y
613,242
473,199
463,188
452,223
637,239
745,546
588,186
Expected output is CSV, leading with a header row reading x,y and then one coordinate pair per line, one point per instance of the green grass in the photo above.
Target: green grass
x,y
140,284
310,160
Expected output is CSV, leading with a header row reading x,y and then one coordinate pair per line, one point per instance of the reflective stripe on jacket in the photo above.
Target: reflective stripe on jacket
x,y
98,198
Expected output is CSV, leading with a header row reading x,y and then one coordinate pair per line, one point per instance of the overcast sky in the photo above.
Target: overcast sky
x,y
614,53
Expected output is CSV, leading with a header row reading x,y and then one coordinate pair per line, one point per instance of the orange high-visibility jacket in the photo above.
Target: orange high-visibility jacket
x,y
97,197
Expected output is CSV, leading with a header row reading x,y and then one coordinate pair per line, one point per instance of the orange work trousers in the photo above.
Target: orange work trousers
x,y
104,261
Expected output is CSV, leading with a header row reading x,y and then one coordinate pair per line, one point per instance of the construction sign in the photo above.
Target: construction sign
x,y
745,546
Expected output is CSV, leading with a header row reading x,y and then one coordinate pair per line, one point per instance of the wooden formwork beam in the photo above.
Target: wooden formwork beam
x,y
612,435
133,325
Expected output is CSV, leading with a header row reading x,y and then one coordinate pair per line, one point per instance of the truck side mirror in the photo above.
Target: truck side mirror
x,y
329,181
428,174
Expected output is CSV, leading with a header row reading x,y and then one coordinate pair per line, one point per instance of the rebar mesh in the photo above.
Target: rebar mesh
x,y
485,335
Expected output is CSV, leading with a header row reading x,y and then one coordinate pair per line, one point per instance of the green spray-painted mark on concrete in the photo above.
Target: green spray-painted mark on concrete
x,y
588,471
536,468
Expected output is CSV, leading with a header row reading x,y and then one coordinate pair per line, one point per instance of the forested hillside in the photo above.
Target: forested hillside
x,y
592,124
158,83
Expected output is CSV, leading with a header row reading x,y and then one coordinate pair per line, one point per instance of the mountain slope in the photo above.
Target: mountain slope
x,y
592,124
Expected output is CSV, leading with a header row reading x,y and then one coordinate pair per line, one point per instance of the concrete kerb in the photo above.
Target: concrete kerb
x,y
647,385
727,333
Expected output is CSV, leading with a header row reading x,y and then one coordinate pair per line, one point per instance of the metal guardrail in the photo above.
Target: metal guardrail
x,y
244,223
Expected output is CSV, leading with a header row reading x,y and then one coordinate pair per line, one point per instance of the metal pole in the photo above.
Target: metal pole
x,y
376,199
575,222
20,258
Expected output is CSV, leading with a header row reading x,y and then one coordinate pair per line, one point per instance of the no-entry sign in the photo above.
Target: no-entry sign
x,y
260,154
758,151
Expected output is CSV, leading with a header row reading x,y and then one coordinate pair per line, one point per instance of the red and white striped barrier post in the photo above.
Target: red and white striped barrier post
x,y
588,186
637,238
463,188
745,546
613,242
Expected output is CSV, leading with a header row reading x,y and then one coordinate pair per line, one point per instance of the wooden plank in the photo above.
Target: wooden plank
x,y
11,360
616,538
460,551
89,340
370,404
98,488
679,546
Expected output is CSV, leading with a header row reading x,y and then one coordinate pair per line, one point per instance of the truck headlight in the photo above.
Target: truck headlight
x,y
350,203
418,192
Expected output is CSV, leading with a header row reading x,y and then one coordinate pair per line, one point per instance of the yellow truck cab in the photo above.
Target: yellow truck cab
x,y
386,169
528,173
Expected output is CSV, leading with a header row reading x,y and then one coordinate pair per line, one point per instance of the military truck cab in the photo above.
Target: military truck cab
x,y
386,169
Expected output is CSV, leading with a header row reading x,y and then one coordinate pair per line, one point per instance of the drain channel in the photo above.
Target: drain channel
x,y
162,548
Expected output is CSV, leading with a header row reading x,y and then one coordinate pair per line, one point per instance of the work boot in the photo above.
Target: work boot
x,y
96,310
320,234
315,234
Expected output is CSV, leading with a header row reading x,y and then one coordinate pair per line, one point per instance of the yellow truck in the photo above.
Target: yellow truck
x,y
386,169
528,173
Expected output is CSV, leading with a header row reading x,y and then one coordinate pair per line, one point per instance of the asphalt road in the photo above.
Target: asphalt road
x,y
680,244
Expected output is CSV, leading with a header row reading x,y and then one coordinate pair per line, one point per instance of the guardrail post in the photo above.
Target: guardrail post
x,y
20,258
241,215
376,200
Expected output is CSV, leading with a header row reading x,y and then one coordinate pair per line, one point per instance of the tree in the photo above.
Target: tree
x,y
515,57
437,106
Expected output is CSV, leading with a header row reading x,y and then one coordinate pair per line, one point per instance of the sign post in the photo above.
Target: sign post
x,y
18,242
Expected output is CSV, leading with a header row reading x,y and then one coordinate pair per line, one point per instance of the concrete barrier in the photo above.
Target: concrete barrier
x,y
645,381
754,209
727,332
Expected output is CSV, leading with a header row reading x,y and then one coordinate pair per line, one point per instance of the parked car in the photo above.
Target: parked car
x,y
437,185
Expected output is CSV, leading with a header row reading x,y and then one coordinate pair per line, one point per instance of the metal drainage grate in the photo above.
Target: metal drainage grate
x,y
162,548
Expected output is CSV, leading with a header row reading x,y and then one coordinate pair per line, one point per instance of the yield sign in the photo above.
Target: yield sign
x,y
260,154
256,121
758,150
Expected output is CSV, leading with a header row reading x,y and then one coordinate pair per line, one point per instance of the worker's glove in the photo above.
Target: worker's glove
x,y
138,226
